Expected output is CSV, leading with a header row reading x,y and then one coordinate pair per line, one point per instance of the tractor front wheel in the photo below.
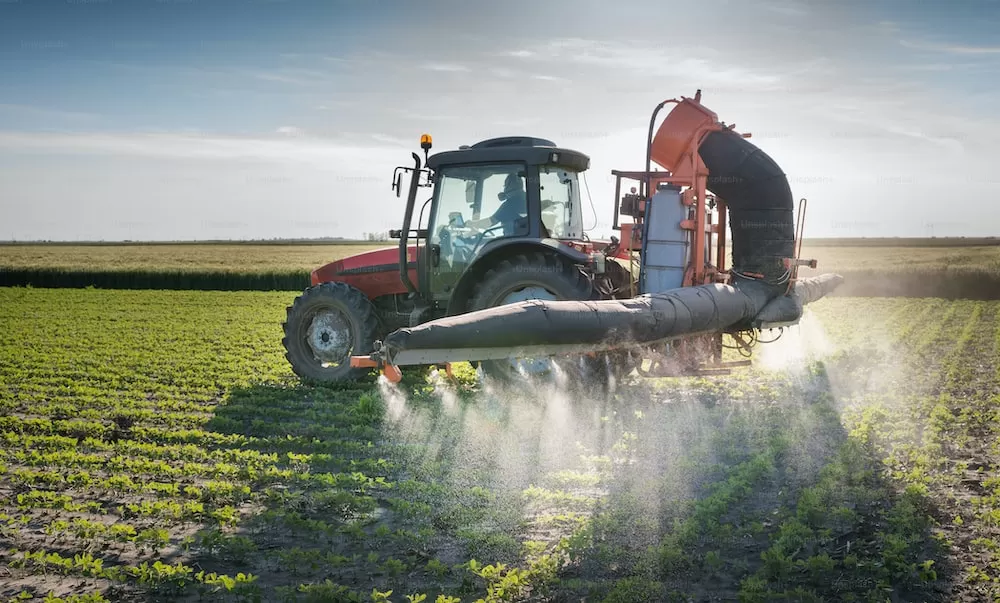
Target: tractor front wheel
x,y
523,277
324,327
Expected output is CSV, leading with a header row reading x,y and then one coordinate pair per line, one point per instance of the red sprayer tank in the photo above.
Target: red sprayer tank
x,y
672,144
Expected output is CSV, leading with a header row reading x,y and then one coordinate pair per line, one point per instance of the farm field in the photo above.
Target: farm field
x,y
846,255
154,446
852,258
915,271
181,267
221,257
878,267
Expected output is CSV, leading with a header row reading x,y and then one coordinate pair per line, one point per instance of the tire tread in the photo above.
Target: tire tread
x,y
361,310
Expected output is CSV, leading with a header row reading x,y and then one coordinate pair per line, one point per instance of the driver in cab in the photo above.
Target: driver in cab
x,y
513,206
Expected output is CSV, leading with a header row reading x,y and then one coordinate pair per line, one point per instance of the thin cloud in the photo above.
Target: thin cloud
x,y
939,67
787,8
904,122
951,48
645,60
335,105
445,67
393,140
20,111
224,75
298,76
193,146
411,115
888,27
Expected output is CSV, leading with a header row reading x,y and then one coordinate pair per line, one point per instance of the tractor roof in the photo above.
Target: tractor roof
x,y
533,151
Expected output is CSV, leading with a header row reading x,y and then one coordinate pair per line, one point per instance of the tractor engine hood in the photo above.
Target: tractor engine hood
x,y
374,272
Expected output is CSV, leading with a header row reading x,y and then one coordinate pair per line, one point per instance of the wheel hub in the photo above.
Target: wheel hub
x,y
329,337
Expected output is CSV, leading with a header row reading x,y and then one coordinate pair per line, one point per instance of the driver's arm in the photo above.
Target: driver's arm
x,y
490,221
482,223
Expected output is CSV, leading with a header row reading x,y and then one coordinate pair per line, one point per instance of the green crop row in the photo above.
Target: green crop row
x,y
94,597
292,280
159,576
219,257
750,485
947,282
964,282
927,424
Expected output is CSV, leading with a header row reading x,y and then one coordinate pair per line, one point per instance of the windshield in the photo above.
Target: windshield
x,y
560,196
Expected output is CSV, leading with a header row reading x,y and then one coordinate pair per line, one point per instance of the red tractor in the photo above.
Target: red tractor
x,y
503,273
503,224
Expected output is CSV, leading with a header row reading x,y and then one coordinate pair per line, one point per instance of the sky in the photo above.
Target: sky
x,y
216,119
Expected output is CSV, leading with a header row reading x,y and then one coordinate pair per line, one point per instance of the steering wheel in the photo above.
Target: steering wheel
x,y
479,239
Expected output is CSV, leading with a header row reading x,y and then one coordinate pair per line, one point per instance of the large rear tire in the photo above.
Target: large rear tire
x,y
324,327
522,277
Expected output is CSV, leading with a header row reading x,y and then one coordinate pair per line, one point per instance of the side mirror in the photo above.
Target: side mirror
x,y
398,184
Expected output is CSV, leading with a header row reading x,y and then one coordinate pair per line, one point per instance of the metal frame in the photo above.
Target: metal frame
x,y
702,268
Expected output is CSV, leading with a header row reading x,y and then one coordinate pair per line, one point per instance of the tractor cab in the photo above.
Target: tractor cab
x,y
503,223
492,196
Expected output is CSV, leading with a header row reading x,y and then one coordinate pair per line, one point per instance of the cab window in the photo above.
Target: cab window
x,y
474,205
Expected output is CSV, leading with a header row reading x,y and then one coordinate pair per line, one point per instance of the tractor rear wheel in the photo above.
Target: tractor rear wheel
x,y
324,327
523,277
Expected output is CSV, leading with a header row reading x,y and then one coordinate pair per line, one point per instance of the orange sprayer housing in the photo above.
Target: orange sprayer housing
x,y
673,140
